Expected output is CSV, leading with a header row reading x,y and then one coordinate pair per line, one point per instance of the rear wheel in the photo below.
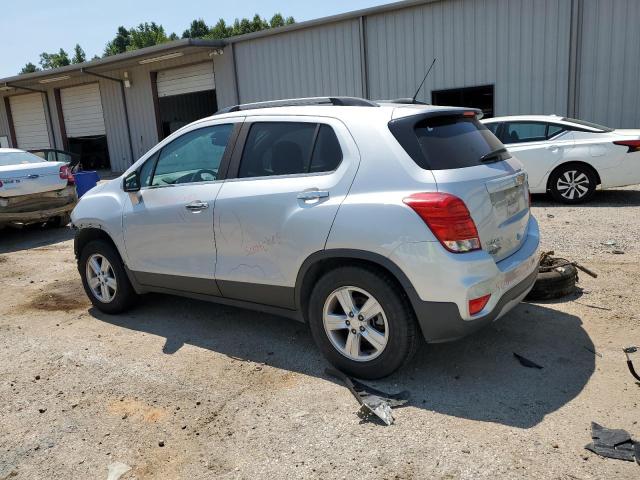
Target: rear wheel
x,y
573,183
104,278
361,322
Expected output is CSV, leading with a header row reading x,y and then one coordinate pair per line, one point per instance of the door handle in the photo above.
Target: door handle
x,y
312,195
197,206
553,147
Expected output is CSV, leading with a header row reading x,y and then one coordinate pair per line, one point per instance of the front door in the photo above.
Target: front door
x,y
168,224
292,176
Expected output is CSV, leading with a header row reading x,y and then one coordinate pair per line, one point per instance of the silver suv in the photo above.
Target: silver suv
x,y
375,223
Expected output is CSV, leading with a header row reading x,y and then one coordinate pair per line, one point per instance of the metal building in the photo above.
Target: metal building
x,y
578,58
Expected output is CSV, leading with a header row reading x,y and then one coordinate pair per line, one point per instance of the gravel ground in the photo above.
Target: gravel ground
x,y
180,389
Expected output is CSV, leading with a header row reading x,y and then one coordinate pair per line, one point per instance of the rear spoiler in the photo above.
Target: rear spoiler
x,y
403,128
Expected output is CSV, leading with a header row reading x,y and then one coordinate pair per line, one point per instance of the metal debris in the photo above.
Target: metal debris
x,y
116,470
372,401
548,263
627,351
525,362
612,443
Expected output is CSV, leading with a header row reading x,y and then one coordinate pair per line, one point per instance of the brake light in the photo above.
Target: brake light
x,y
477,304
66,174
469,114
448,218
634,145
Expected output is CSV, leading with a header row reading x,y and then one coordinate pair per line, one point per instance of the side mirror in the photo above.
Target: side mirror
x,y
131,182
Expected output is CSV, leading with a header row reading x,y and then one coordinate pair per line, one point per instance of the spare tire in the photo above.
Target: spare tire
x,y
556,278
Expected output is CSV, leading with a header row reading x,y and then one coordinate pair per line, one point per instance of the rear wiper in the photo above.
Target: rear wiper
x,y
495,154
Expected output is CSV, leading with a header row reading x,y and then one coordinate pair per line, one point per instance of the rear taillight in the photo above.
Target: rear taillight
x,y
477,304
448,218
65,174
634,145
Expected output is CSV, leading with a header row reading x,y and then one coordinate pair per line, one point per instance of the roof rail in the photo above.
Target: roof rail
x,y
294,102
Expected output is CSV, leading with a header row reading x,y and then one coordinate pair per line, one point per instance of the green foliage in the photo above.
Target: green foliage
x,y
146,35
220,30
29,68
119,44
54,60
78,55
197,29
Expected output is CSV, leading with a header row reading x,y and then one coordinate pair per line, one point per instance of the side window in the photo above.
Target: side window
x,y
277,148
327,154
147,169
553,130
493,127
520,132
192,157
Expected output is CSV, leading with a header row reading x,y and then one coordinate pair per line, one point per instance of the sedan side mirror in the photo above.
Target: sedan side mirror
x,y
131,182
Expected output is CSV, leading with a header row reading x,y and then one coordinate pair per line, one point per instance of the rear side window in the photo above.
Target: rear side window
x,y
446,142
288,148
520,132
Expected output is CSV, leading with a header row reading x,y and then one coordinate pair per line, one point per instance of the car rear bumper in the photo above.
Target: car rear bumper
x,y
38,206
443,284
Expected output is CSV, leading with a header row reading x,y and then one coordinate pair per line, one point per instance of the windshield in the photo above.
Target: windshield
x,y
582,123
18,158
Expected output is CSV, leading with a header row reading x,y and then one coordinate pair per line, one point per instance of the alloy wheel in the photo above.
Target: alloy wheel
x,y
355,323
573,184
101,278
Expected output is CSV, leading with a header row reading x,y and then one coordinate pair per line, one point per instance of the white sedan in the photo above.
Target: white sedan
x,y
567,157
33,190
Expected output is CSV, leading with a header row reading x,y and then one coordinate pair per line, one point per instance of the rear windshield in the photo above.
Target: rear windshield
x,y
18,158
447,142
583,123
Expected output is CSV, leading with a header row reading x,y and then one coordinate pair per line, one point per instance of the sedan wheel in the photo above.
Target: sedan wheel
x,y
573,185
355,323
101,278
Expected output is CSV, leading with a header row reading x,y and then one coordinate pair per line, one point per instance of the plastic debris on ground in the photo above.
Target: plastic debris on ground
x,y
372,401
613,443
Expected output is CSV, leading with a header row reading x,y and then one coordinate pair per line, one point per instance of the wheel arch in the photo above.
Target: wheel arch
x,y
323,261
86,235
576,163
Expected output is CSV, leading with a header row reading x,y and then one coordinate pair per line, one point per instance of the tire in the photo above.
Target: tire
x,y
573,180
554,283
123,296
396,322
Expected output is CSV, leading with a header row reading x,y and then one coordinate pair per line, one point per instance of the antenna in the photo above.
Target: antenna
x,y
413,100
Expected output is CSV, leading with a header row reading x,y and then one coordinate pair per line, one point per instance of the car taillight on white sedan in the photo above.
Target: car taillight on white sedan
x,y
448,218
634,145
66,174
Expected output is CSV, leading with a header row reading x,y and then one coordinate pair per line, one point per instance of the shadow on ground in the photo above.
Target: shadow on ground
x,y
32,236
602,198
476,378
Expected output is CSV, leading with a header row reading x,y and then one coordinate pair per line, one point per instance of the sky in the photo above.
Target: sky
x,y
30,27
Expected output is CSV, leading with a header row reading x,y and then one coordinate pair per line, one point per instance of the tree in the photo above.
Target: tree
x,y
290,21
220,30
173,37
54,60
276,21
198,29
146,35
258,23
119,44
29,68
78,55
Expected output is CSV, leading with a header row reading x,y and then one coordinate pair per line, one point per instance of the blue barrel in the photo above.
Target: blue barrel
x,y
85,181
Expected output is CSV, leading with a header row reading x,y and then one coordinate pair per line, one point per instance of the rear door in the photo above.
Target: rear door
x,y
292,174
168,224
540,146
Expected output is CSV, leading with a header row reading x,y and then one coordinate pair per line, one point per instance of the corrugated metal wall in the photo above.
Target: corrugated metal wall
x,y
609,68
323,60
4,122
520,46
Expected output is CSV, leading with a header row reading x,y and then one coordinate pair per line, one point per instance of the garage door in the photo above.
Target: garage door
x,y
194,78
82,111
29,121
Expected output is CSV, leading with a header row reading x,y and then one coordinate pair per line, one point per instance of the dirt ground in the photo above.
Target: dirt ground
x,y
181,389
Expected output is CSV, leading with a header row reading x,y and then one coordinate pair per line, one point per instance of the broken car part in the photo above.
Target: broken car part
x,y
525,362
612,443
557,277
628,351
372,401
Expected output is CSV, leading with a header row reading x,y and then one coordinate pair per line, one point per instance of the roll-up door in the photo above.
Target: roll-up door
x,y
82,111
178,81
29,121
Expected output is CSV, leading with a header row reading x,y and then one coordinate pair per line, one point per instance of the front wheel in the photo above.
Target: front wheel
x,y
104,278
573,184
361,322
